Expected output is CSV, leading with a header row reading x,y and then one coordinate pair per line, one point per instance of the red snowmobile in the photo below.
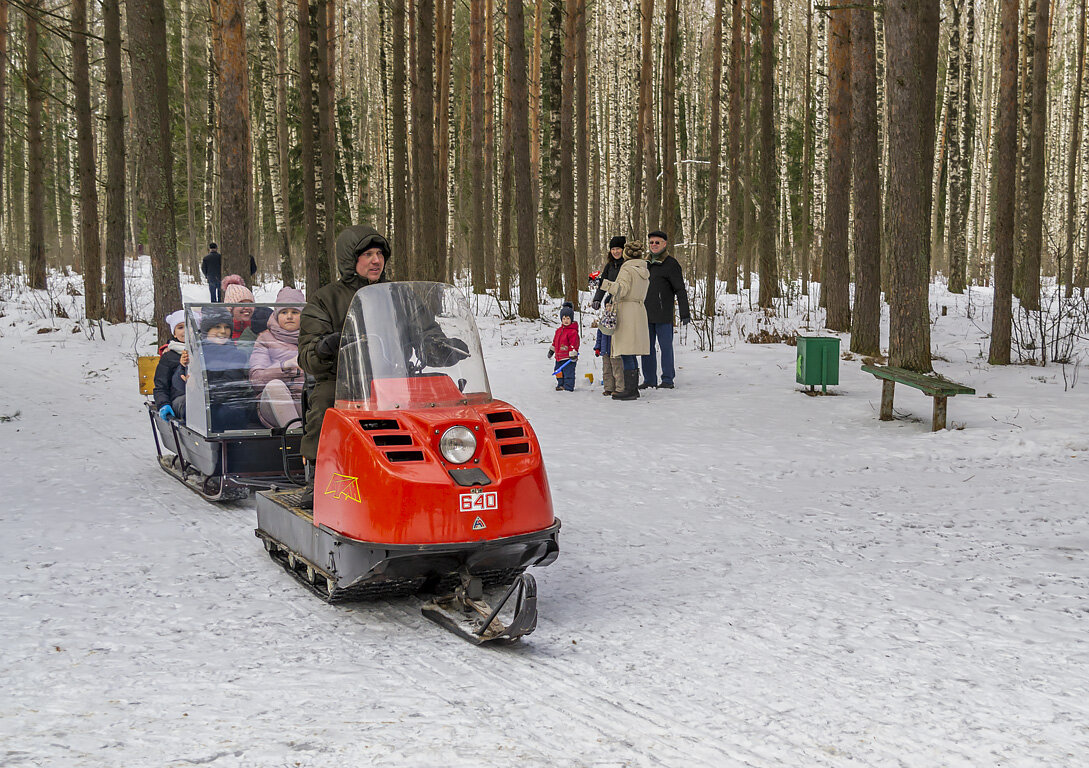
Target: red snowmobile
x,y
423,481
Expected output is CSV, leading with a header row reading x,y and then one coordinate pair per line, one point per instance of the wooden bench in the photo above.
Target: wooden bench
x,y
931,385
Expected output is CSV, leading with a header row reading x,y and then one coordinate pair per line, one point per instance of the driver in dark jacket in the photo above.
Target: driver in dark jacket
x,y
362,255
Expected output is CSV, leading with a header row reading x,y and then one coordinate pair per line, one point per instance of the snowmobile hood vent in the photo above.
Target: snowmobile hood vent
x,y
499,417
373,424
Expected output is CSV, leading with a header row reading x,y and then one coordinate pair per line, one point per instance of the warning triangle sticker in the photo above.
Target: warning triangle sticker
x,y
478,525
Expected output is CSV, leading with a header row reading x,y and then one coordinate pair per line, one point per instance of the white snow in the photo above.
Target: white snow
x,y
747,577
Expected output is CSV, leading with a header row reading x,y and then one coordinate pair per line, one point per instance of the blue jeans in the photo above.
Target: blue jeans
x,y
566,377
630,363
215,292
663,332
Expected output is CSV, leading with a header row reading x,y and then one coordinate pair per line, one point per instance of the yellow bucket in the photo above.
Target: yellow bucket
x,y
146,365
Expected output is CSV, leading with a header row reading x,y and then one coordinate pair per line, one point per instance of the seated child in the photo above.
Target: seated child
x,y
236,292
274,364
226,369
169,390
565,346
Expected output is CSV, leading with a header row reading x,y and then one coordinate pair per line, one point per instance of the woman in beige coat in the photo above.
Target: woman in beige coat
x,y
632,335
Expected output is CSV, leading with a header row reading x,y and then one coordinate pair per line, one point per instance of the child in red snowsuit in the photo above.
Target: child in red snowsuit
x,y
565,346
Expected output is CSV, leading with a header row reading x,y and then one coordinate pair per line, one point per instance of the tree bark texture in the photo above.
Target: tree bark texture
x,y
710,233
671,204
565,215
476,157
235,150
836,284
316,276
769,188
733,152
148,61
909,185
1005,161
326,132
653,215
401,241
866,325
35,159
519,119
432,263
88,185
1067,268
1034,213
115,164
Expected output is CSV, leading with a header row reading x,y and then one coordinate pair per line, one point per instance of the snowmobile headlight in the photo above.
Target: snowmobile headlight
x,y
457,445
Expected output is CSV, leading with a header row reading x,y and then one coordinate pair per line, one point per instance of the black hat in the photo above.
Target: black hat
x,y
567,311
617,242
213,316
658,233
212,246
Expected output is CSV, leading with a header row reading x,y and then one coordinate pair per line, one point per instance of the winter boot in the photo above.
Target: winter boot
x,y
631,387
306,496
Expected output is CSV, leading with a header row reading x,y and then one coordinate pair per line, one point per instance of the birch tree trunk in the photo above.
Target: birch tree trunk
x,y
326,131
270,127
807,154
315,269
88,185
646,122
5,219
1067,269
733,152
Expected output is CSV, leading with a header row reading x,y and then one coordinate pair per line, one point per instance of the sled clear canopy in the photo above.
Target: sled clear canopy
x,y
410,345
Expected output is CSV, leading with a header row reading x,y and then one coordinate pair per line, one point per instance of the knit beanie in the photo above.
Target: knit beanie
x,y
633,250
235,290
617,242
290,296
213,316
174,319
567,311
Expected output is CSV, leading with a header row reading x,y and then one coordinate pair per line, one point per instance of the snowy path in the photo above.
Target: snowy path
x,y
748,577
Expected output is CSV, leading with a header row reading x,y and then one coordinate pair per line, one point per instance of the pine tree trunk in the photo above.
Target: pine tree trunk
x,y
326,131
807,153
88,185
401,241
1067,269
769,267
519,120
909,184
115,164
565,213
442,120
270,127
927,66
316,276
476,160
506,252
710,232
1005,187
957,162
866,325
583,147
148,54
432,263
211,224
235,153
733,152
5,220
671,204
36,161
1034,215
836,284
190,201
550,165
488,234
646,122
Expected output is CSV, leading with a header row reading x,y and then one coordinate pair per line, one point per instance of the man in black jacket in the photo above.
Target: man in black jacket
x,y
666,283
212,268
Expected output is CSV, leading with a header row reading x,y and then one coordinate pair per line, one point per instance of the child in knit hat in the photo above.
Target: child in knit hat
x,y
226,370
565,347
170,373
236,292
274,364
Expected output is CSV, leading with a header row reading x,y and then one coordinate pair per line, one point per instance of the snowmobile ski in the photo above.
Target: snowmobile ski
x,y
465,613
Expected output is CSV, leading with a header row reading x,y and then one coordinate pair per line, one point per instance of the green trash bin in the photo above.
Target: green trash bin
x,y
818,361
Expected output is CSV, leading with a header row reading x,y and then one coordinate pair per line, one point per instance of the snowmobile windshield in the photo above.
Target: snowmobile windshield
x,y
410,345
243,374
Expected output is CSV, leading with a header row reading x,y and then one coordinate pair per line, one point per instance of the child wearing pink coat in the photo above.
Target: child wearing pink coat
x,y
274,364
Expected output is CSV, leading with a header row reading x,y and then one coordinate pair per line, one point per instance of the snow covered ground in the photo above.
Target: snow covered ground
x,y
748,577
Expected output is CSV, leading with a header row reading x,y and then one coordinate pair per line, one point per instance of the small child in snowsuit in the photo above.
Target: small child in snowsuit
x,y
170,373
565,347
612,368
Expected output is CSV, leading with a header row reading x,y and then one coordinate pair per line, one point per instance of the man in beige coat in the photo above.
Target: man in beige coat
x,y
632,335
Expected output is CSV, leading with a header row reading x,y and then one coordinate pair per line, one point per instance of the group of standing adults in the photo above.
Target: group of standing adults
x,y
643,289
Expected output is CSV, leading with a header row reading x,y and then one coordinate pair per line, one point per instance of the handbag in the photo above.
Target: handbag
x,y
607,322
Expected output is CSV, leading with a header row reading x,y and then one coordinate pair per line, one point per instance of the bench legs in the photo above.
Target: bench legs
x,y
939,413
886,399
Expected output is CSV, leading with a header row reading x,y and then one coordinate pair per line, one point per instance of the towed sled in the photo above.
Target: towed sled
x,y
424,483
222,449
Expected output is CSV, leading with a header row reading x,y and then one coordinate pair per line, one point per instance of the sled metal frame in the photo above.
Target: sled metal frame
x,y
454,612
230,482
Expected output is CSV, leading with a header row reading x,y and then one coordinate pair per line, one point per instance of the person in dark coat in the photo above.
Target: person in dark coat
x,y
610,269
666,284
169,392
212,269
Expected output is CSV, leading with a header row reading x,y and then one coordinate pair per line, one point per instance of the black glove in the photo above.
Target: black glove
x,y
328,346
685,320
551,352
596,305
446,352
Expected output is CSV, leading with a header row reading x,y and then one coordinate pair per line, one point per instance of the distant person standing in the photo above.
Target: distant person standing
x,y
666,284
212,268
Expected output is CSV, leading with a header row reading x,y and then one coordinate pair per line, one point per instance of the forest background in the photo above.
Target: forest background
x,y
784,145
